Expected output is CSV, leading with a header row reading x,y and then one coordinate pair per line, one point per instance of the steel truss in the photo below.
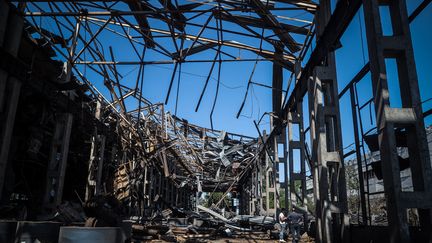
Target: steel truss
x,y
147,132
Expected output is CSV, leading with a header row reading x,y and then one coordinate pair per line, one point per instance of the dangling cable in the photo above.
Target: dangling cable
x,y
178,88
220,39
207,80
171,83
140,77
250,77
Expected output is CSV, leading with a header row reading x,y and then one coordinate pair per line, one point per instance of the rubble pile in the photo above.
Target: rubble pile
x,y
204,225
189,157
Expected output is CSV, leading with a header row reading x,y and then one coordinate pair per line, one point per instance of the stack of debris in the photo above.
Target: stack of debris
x,y
179,226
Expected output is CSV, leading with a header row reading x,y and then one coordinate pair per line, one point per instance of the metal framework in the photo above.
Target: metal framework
x,y
73,29
171,158
409,117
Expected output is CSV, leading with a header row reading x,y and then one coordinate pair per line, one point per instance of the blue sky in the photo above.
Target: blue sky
x,y
234,75
350,61
353,56
233,81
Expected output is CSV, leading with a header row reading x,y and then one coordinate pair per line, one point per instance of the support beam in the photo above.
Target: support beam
x,y
334,29
271,180
326,138
259,23
270,20
57,161
398,46
142,21
280,139
296,142
8,121
286,60
277,81
95,167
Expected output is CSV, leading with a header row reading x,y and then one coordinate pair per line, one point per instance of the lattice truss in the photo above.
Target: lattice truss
x,y
86,36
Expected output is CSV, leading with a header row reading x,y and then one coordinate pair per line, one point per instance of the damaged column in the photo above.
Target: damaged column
x,y
272,182
95,167
57,161
296,146
409,118
328,172
279,153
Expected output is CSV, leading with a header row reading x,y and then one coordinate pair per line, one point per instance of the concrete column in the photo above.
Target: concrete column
x,y
96,160
275,167
295,121
91,183
329,175
57,161
11,27
398,45
271,177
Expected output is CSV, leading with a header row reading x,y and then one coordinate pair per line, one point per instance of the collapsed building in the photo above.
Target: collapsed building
x,y
77,159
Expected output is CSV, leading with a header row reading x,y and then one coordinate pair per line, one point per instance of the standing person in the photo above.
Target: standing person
x,y
295,220
282,222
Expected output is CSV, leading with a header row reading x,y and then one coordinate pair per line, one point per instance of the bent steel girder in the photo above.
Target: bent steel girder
x,y
178,31
82,34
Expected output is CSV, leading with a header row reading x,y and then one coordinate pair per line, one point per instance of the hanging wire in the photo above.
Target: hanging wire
x,y
250,79
207,80
257,100
140,79
171,83
252,73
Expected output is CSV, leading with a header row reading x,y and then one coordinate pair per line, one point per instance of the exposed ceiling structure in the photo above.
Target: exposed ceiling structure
x,y
78,33
218,158
164,32
82,143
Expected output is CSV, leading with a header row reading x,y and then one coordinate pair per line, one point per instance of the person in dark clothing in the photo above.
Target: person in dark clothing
x,y
294,221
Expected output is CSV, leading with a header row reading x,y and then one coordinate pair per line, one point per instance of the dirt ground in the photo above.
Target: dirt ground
x,y
237,239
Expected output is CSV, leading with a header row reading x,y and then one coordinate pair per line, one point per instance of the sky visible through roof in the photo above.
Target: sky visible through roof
x,y
235,75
